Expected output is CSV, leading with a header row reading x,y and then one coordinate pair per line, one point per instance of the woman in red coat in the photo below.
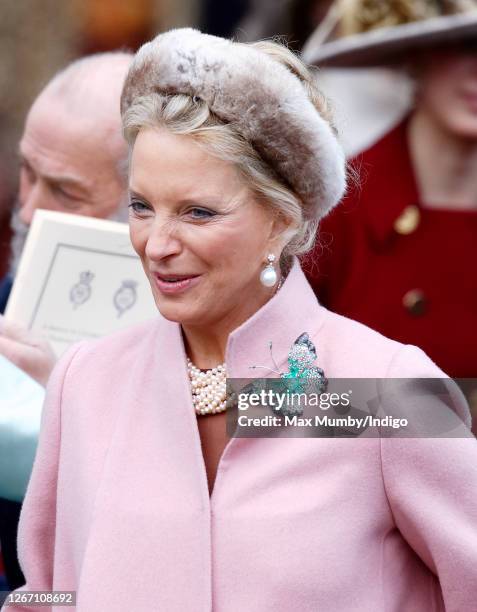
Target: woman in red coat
x,y
399,253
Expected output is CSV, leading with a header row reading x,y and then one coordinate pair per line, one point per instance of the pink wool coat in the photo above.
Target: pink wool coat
x,y
118,507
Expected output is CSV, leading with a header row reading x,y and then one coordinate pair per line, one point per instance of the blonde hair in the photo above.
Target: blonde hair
x,y
186,115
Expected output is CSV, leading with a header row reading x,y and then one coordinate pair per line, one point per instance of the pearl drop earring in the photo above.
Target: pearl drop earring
x,y
268,276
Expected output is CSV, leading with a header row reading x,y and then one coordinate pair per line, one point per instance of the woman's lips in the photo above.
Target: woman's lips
x,y
173,285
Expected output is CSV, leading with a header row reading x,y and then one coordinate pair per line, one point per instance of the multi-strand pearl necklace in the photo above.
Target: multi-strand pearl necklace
x,y
209,394
208,388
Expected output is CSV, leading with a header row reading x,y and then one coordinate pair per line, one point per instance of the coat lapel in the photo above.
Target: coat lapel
x,y
153,494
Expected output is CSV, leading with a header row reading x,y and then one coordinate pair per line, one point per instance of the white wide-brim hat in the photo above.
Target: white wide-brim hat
x,y
380,44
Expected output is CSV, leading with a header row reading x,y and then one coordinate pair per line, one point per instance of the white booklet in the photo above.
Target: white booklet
x,y
78,278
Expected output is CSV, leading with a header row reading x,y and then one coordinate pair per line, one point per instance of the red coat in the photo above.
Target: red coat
x,y
405,270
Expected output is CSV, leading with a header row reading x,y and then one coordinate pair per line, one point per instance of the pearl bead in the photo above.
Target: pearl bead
x,y
208,388
268,276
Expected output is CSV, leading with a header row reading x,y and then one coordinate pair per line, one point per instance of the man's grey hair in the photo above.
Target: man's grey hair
x,y
91,86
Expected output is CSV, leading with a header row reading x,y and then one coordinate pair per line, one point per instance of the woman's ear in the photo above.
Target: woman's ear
x,y
281,232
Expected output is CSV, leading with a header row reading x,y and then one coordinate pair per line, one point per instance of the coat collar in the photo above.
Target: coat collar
x,y
294,309
388,182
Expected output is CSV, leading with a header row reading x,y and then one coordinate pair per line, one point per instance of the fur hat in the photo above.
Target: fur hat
x,y
265,102
372,32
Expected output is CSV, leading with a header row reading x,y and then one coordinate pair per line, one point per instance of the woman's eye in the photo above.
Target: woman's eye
x,y
138,207
201,213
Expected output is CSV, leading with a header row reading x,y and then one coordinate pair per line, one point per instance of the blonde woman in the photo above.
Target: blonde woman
x,y
138,499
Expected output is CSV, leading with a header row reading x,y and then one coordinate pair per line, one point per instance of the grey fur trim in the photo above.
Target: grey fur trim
x,y
264,101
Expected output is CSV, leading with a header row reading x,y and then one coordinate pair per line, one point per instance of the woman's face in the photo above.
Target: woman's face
x,y
201,237
448,90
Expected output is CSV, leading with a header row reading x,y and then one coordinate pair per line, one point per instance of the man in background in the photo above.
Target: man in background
x,y
73,159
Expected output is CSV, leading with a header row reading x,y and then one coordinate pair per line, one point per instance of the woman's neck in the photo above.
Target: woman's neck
x,y
445,165
205,349
206,343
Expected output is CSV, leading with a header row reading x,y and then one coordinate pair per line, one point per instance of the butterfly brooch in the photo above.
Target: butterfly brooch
x,y
302,375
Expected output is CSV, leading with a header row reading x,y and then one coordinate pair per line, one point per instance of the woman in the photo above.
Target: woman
x,y
398,254
138,500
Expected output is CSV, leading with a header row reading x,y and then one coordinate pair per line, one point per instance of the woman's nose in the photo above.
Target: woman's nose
x,y
163,241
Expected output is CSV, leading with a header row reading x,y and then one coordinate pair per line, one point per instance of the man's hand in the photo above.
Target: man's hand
x,y
28,350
